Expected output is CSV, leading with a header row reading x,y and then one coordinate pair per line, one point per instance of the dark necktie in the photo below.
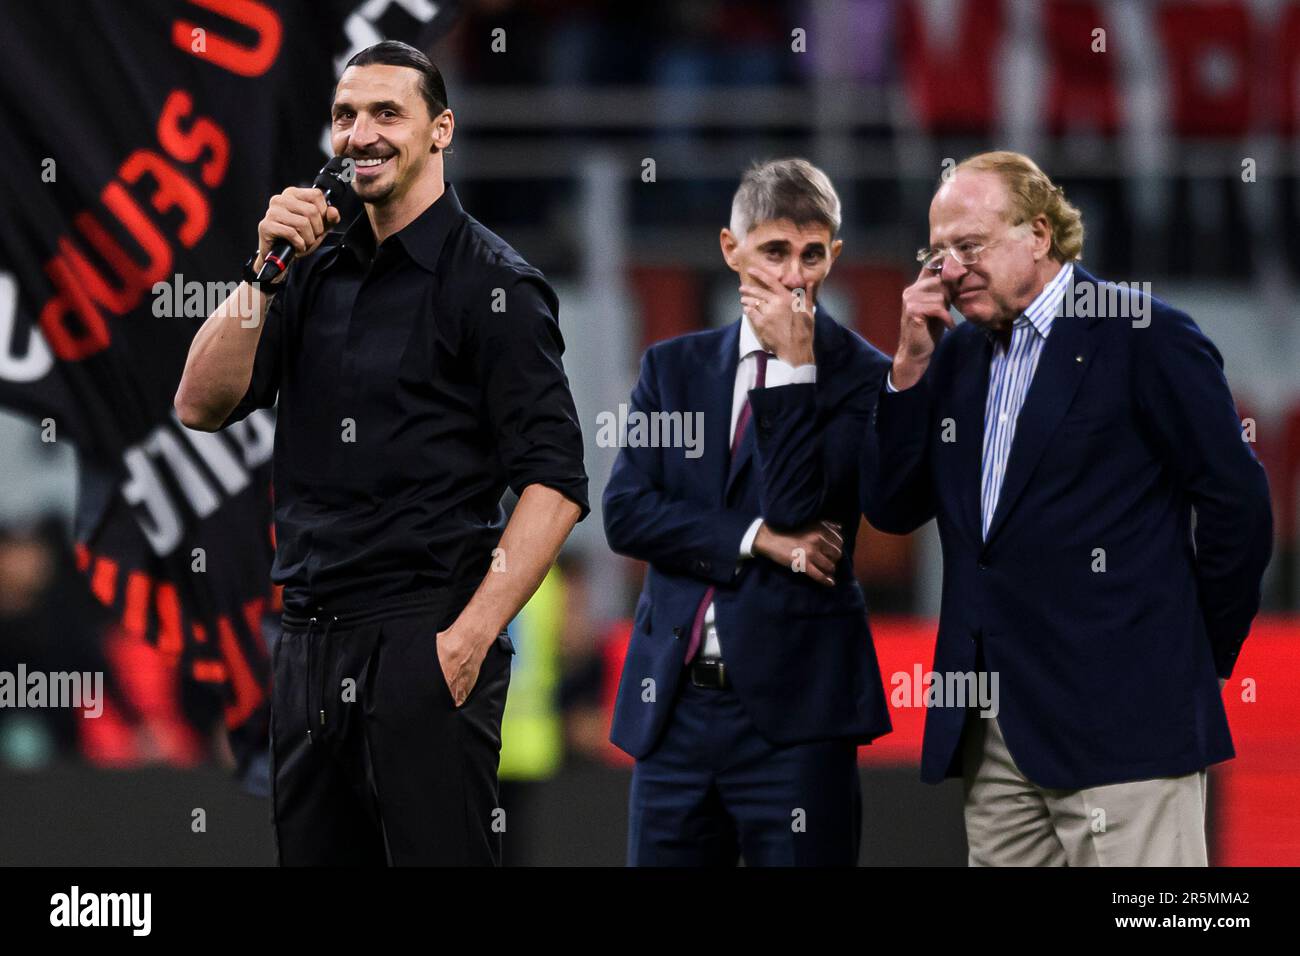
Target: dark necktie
x,y
742,423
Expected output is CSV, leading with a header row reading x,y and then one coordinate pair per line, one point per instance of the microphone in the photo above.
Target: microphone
x,y
329,181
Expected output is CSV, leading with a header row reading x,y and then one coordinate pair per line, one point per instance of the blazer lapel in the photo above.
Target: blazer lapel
x,y
828,353
1061,368
970,394
717,385
736,465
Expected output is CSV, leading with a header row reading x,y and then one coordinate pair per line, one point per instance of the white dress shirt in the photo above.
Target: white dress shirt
x,y
778,373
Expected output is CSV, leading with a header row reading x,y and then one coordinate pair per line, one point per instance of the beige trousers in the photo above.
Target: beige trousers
x,y
1012,822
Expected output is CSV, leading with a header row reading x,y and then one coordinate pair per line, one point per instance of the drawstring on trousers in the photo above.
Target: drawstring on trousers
x,y
324,674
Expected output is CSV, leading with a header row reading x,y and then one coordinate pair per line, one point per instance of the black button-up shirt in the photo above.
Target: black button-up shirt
x,y
415,382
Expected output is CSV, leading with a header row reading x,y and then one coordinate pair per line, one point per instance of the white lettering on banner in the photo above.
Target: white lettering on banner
x,y
36,362
163,453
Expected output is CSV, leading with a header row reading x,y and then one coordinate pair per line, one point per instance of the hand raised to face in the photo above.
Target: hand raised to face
x,y
782,317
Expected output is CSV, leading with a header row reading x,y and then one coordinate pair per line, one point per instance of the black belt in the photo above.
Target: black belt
x,y
438,601
709,673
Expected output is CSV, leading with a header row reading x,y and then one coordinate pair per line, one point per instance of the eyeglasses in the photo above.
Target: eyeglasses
x,y
965,253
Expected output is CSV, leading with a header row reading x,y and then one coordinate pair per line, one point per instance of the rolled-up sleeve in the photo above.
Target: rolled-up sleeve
x,y
264,386
519,352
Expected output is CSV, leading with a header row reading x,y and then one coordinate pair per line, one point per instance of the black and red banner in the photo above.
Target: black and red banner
x,y
142,140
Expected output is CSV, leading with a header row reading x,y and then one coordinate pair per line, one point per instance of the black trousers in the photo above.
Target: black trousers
x,y
371,761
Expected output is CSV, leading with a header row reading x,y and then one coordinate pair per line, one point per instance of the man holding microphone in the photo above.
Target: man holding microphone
x,y
416,361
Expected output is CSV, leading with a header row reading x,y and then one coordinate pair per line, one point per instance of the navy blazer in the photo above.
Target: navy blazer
x,y
799,654
1104,675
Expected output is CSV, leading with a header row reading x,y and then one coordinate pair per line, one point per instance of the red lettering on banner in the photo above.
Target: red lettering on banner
x,y
68,343
151,240
134,280
135,615
209,672
117,298
1207,46
244,685
82,287
238,59
71,319
253,614
952,87
187,147
175,191
103,580
169,619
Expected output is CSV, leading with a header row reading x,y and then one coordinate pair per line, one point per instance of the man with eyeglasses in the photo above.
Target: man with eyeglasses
x,y
1063,451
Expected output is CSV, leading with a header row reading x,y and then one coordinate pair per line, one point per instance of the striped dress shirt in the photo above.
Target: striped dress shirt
x,y
1011,372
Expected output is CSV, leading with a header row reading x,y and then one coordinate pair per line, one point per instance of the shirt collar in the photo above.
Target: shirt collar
x,y
1042,312
422,238
748,339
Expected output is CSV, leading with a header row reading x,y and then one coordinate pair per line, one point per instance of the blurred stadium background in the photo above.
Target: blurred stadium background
x,y
1179,138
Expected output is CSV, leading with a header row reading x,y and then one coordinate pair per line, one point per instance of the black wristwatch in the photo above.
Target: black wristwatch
x,y
249,275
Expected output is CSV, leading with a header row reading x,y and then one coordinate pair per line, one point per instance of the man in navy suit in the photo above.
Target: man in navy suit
x,y
1064,435
751,677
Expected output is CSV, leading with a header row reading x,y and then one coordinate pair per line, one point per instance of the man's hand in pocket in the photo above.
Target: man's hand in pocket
x,y
461,653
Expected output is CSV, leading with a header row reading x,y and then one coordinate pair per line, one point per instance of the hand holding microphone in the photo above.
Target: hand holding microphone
x,y
297,220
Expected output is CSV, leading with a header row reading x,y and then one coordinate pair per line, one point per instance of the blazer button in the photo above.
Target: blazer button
x,y
706,566
677,633
765,422
983,565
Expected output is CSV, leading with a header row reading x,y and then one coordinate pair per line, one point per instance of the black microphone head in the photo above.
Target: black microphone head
x,y
333,175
